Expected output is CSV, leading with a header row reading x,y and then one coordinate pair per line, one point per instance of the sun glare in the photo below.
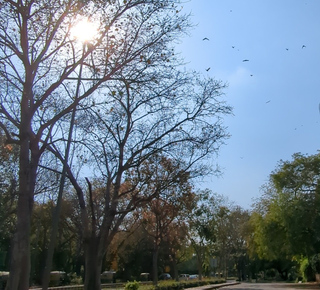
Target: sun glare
x,y
85,30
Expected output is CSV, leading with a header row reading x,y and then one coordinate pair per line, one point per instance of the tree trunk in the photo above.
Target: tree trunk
x,y
57,210
155,264
175,268
199,259
20,258
93,264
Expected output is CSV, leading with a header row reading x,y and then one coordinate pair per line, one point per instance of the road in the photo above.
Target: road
x,y
267,286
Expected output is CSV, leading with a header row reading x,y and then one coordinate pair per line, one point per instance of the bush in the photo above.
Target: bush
x,y
72,279
173,285
132,285
306,270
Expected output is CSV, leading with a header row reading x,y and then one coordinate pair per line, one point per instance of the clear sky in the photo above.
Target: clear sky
x,y
275,95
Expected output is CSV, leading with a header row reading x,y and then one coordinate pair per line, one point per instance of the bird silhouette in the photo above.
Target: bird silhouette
x,y
268,101
208,68
303,46
206,38
287,48
232,46
245,60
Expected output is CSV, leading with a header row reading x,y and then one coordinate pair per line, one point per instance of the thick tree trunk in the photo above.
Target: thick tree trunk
x,y
199,258
20,257
57,211
175,268
93,264
155,265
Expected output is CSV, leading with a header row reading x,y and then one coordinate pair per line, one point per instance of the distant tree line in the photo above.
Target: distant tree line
x,y
181,230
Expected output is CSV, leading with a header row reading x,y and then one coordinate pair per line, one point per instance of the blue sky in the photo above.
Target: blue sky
x,y
275,95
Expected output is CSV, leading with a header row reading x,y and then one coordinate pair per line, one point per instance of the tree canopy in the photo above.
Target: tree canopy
x,y
286,218
120,98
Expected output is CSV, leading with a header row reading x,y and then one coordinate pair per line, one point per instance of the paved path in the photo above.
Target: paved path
x,y
267,286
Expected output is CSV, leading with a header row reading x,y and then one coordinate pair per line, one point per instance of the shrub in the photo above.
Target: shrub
x,y
173,285
132,285
306,270
73,279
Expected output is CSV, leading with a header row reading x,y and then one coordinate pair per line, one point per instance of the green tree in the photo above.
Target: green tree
x,y
202,227
231,227
66,247
130,252
286,218
8,197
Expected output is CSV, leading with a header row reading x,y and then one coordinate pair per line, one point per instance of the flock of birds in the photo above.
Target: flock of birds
x,y
245,60
253,65
207,39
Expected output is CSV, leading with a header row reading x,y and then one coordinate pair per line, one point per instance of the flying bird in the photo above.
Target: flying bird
x,y
206,38
208,68
245,60
303,46
268,101
287,48
232,46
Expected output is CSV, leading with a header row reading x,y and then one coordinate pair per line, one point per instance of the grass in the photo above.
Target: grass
x,y
174,285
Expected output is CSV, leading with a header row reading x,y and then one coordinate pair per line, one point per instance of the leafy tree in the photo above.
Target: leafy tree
x,y
222,243
176,245
286,217
202,228
66,248
159,218
8,201
299,177
130,252
240,232
124,90
231,227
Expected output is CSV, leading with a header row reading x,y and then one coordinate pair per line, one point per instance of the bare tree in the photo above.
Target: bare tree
x,y
179,118
130,87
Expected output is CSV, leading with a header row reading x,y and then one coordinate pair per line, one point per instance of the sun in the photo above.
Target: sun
x,y
85,30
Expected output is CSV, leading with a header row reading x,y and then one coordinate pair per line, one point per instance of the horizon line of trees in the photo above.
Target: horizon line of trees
x,y
183,231
180,230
